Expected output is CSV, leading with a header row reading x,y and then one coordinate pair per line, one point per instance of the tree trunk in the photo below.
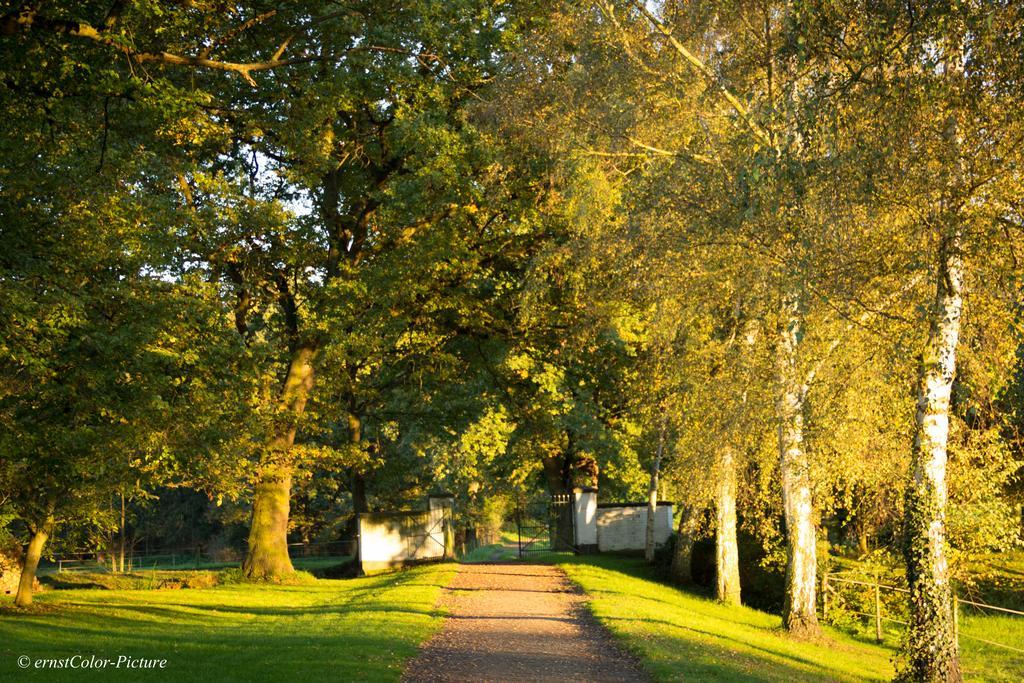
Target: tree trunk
x,y
682,557
267,556
356,478
268,534
360,501
122,544
863,539
31,563
652,494
727,556
555,474
799,611
1022,523
932,646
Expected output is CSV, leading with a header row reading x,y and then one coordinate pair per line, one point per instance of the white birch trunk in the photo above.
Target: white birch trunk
x,y
727,557
932,646
799,614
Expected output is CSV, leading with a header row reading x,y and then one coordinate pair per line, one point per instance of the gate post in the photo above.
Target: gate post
x,y
359,544
584,520
445,502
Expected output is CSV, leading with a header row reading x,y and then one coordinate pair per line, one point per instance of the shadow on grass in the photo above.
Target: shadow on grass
x,y
683,634
55,582
364,629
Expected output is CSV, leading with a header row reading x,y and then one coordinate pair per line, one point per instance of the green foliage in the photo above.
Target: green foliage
x,y
141,580
503,249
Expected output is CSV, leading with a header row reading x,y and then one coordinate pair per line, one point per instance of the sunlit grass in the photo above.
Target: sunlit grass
x,y
995,579
681,636
360,629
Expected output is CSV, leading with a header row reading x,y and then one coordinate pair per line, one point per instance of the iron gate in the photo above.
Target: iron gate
x,y
547,525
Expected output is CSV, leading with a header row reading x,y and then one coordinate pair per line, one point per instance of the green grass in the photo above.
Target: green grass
x,y
996,578
681,636
981,661
168,576
366,629
308,563
359,629
317,563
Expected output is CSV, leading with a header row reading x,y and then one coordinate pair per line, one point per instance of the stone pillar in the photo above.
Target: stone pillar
x,y
585,519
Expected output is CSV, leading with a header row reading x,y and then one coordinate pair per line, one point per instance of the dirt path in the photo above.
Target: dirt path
x,y
513,622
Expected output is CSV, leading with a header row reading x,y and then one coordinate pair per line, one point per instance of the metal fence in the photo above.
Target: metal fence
x,y
194,557
888,604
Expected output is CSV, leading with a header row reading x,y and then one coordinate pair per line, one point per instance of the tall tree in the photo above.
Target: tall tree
x,y
346,168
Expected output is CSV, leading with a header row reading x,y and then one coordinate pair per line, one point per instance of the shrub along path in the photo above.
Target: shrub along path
x,y
519,622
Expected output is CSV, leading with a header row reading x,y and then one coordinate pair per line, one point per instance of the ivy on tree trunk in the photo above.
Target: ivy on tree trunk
x,y
931,644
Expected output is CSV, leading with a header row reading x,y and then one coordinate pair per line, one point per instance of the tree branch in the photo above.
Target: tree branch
x,y
859,321
29,19
235,32
706,71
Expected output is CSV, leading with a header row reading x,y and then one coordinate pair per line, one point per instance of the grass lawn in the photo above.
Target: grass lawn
x,y
996,579
682,636
366,629
359,629
981,661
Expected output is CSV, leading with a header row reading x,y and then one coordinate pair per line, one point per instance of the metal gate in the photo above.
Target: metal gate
x,y
547,525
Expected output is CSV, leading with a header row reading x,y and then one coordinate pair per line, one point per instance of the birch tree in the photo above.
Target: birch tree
x,y
777,146
965,199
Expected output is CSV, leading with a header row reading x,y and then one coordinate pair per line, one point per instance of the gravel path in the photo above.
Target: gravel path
x,y
514,622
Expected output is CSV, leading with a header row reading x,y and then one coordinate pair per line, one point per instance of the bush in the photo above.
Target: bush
x,y
147,580
762,581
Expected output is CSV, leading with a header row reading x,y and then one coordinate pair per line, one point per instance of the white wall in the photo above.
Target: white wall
x,y
388,539
625,527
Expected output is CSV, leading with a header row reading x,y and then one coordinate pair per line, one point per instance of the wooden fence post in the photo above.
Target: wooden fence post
x,y
878,613
956,622
824,596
